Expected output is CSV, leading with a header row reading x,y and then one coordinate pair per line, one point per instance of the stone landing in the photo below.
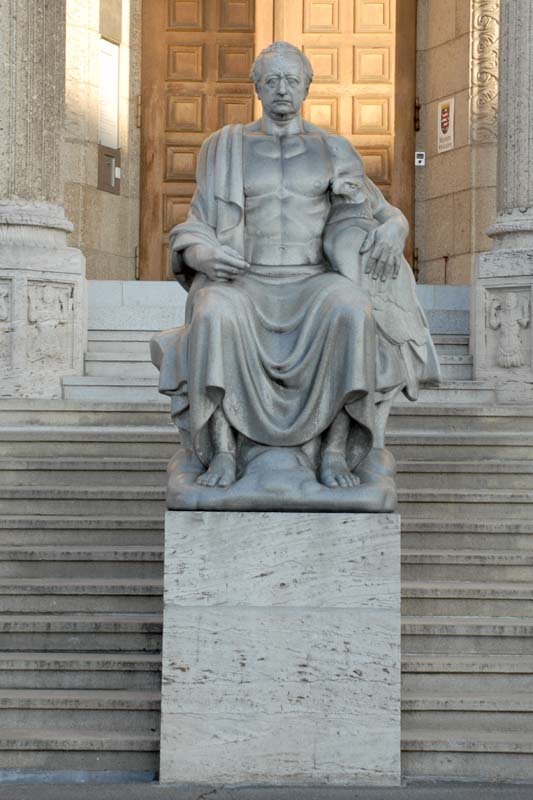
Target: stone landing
x,y
281,648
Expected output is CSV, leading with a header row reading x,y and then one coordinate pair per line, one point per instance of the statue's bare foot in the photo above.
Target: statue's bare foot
x,y
334,472
221,472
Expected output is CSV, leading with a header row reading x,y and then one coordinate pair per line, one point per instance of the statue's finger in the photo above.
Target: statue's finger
x,y
396,270
377,251
368,242
233,261
387,265
368,265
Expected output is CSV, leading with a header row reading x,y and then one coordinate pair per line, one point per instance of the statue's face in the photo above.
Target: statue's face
x,y
283,86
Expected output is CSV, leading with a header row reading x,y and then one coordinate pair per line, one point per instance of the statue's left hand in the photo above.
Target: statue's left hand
x,y
384,246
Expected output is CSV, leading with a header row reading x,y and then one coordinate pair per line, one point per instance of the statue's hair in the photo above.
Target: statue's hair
x,y
280,48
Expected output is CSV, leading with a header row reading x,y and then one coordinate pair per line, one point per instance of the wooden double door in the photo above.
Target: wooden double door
x,y
196,60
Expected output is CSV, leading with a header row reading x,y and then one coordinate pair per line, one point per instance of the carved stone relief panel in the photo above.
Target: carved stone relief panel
x,y
50,320
508,325
6,321
484,70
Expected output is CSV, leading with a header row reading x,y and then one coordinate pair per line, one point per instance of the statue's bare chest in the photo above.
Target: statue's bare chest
x,y
298,164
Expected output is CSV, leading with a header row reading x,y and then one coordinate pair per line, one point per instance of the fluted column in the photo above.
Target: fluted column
x,y
502,330
42,283
515,125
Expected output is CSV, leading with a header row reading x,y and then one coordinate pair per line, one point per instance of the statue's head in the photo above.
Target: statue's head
x,y
282,75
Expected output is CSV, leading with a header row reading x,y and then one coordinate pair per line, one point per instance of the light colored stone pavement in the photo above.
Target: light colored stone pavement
x,y
153,791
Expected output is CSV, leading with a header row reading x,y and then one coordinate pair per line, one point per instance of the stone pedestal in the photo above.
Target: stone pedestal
x,y
281,648
43,301
502,330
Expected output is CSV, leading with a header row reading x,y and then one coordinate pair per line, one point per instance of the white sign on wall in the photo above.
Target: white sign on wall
x,y
446,125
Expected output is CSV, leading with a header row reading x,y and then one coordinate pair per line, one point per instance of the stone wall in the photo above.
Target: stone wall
x,y
456,190
106,225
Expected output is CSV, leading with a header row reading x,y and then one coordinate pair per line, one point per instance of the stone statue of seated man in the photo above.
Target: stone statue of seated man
x,y
302,322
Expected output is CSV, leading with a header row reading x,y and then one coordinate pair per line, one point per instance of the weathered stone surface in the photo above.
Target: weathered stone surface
x,y
281,648
43,318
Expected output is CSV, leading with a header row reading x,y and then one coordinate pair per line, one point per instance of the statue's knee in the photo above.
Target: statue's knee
x,y
212,304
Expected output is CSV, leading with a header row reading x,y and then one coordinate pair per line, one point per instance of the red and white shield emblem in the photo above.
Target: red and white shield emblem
x,y
445,119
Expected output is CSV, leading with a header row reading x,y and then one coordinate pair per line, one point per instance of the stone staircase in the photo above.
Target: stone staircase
x,y
81,536
466,478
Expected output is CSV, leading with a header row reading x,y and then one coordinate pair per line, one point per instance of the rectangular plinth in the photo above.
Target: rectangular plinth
x,y
281,648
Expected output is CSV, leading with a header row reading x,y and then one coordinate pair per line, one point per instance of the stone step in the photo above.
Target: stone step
x,y
464,565
96,594
44,749
113,632
460,417
413,444
451,345
113,441
83,471
468,533
453,504
448,674
497,756
25,411
482,664
132,342
123,365
56,562
521,703
53,499
466,597
475,718
108,671
468,679
80,699
113,390
71,530
467,635
456,367
57,553
81,709
476,474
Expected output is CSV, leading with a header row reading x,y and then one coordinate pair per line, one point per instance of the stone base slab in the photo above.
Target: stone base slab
x,y
281,649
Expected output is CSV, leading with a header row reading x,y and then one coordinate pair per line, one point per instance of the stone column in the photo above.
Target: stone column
x,y
502,331
42,280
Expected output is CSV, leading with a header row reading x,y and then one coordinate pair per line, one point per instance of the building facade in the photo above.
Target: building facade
x,y
103,109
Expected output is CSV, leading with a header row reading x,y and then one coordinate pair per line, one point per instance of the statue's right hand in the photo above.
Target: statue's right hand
x,y
218,263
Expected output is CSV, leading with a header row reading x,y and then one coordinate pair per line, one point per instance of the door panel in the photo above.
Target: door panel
x,y
197,55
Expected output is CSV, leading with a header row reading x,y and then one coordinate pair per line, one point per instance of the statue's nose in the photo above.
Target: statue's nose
x,y
282,88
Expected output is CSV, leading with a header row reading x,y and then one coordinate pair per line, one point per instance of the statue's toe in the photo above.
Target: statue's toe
x,y
221,472
335,474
